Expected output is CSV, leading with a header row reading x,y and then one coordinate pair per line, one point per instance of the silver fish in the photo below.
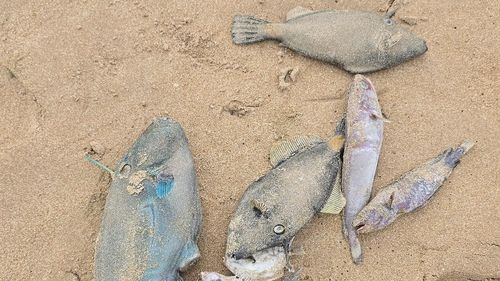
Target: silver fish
x,y
152,216
364,134
410,192
276,206
356,41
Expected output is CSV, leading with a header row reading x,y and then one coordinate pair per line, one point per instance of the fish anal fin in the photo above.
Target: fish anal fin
x,y
297,12
285,149
190,254
336,201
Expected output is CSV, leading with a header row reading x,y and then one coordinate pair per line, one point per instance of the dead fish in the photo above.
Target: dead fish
x,y
364,134
152,216
276,206
410,192
356,41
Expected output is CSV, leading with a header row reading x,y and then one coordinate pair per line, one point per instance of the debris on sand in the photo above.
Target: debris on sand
x,y
287,76
240,109
409,20
96,149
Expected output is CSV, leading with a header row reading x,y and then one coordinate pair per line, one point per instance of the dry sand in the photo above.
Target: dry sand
x,y
99,71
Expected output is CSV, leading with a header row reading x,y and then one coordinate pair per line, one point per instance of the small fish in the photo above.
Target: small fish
x,y
364,134
276,206
152,216
356,41
410,192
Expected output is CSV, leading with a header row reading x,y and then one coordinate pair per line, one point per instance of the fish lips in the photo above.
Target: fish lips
x,y
410,47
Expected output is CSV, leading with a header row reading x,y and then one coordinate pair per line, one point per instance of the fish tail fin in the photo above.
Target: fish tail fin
x,y
356,251
248,29
453,157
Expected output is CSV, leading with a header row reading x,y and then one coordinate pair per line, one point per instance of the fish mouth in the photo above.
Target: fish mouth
x,y
261,265
240,256
360,227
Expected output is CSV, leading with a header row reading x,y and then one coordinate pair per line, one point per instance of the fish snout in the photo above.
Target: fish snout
x,y
413,46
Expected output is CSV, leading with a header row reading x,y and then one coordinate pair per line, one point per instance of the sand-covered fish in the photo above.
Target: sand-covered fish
x,y
364,134
152,216
356,41
277,205
410,192
303,181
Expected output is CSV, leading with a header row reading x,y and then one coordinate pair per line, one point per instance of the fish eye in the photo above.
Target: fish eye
x,y
279,229
388,21
125,170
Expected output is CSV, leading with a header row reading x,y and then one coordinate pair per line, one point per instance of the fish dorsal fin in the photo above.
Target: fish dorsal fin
x,y
285,149
336,201
297,12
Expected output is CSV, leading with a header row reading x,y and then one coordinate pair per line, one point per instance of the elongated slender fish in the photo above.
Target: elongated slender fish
x,y
364,133
152,216
410,192
356,41
276,206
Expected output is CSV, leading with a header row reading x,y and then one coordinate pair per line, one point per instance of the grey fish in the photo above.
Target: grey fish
x,y
364,134
356,41
276,206
152,216
410,192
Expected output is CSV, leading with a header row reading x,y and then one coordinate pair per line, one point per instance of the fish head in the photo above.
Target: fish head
x,y
259,223
365,98
156,144
373,218
397,44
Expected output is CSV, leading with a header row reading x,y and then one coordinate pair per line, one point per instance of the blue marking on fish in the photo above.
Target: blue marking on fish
x,y
164,187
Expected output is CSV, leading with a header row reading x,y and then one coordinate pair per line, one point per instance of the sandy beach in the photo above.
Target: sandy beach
x,y
89,75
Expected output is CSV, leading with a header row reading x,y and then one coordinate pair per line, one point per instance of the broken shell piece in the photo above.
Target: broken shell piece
x,y
287,76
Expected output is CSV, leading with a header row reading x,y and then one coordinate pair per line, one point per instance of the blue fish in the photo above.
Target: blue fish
x,y
152,216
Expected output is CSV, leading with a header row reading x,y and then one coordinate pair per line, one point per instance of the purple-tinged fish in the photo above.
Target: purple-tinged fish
x,y
410,192
364,133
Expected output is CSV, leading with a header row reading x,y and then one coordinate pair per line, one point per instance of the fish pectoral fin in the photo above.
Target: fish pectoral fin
x,y
164,185
389,203
336,201
286,148
189,255
379,115
297,12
